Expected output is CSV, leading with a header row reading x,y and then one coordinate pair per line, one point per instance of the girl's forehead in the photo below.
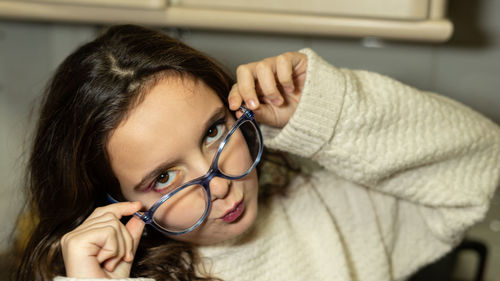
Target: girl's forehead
x,y
173,98
168,120
172,104
177,94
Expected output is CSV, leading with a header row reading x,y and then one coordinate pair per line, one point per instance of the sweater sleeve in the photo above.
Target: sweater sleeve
x,y
61,278
436,154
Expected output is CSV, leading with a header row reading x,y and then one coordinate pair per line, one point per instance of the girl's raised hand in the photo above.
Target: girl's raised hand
x,y
102,247
270,87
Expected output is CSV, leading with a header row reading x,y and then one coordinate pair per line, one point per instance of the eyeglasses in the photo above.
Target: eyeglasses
x,y
187,206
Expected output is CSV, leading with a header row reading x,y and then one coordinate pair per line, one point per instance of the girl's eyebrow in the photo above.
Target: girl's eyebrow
x,y
218,113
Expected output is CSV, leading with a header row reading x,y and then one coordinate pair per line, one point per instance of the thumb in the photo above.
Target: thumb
x,y
135,227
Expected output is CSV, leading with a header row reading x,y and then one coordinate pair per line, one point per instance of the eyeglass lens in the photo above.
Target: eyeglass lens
x,y
188,206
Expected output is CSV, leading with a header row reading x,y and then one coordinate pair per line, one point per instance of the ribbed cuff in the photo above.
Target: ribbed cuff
x,y
61,278
313,123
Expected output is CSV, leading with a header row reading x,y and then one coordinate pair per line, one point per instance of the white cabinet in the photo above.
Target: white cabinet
x,y
387,9
416,20
141,4
410,20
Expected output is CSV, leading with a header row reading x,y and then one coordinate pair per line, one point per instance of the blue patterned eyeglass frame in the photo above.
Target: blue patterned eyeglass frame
x,y
213,171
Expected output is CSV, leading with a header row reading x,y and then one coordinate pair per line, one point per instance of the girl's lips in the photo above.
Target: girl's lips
x,y
234,213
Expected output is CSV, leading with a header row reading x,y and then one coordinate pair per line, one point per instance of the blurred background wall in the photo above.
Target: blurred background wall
x,y
467,68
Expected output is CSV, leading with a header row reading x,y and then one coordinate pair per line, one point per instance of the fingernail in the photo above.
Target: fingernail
x,y
252,104
288,90
276,101
231,103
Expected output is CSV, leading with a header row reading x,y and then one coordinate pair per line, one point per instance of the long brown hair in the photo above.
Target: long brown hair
x,y
68,171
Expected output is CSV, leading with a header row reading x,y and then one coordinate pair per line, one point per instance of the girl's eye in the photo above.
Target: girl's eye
x,y
215,133
165,181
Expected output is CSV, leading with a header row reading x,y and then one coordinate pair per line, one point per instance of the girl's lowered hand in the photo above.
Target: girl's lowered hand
x,y
270,87
102,247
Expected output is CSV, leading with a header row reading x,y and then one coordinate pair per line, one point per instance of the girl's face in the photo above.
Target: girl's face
x,y
166,139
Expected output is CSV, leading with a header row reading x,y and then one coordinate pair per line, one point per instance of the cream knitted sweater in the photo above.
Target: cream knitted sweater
x,y
403,174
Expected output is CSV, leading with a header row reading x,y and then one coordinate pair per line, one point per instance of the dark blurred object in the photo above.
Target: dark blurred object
x,y
5,266
468,31
442,270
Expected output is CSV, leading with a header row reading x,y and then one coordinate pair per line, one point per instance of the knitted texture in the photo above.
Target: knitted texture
x,y
403,174
60,278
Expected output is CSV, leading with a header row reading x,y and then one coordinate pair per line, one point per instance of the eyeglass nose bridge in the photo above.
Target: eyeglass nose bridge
x,y
212,173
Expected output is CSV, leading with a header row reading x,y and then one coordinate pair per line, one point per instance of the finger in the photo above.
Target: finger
x,y
246,85
118,209
284,71
135,227
125,241
267,82
128,243
238,114
112,241
234,99
111,244
105,239
110,264
104,219
99,242
93,220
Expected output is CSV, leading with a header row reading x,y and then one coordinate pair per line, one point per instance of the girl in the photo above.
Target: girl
x,y
390,177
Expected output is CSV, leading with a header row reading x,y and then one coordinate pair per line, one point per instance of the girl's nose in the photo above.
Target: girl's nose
x,y
219,188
